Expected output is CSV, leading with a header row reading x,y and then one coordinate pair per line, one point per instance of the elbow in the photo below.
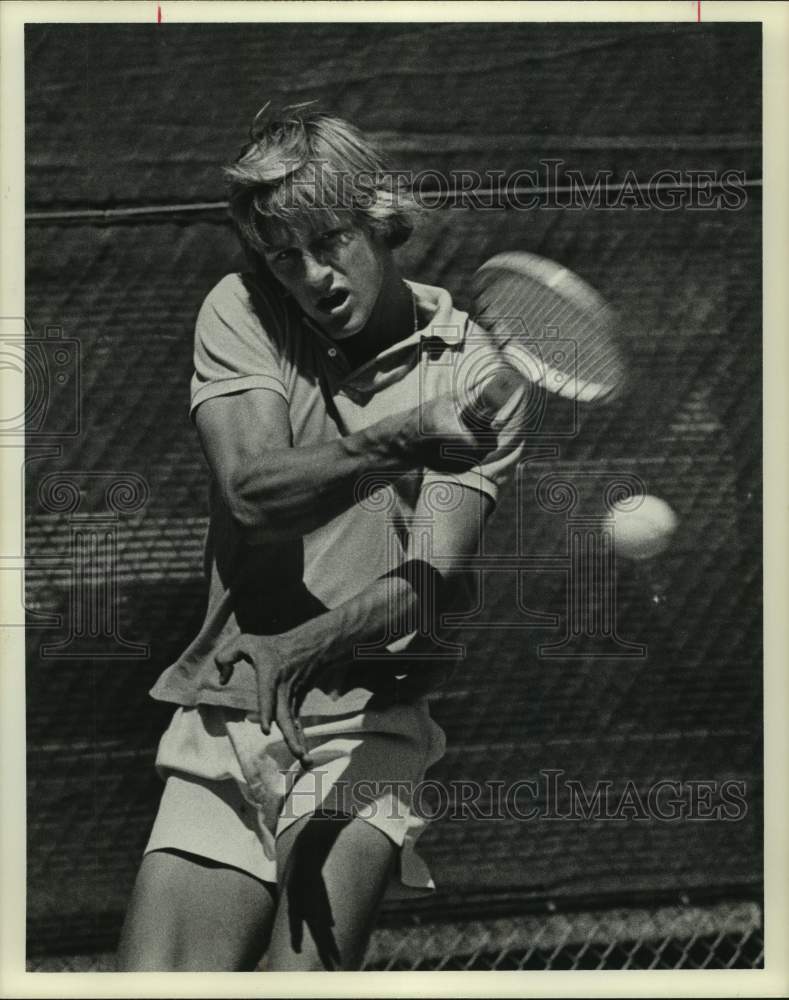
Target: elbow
x,y
259,515
250,513
249,519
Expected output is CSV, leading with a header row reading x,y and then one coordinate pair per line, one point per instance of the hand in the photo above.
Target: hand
x,y
443,421
282,684
474,422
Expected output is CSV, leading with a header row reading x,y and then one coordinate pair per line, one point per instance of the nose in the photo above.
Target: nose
x,y
317,273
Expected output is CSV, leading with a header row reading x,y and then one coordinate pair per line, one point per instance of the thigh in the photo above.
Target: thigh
x,y
190,913
334,872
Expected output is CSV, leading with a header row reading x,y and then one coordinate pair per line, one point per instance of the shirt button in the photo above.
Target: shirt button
x,y
332,352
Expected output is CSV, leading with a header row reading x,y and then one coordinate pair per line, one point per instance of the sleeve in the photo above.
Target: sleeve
x,y
489,476
233,350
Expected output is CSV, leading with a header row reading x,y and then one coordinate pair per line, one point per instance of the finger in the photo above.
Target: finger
x,y
225,672
297,691
301,685
231,651
228,655
267,688
234,649
290,728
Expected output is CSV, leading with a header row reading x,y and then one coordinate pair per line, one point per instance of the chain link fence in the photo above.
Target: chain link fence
x,y
724,935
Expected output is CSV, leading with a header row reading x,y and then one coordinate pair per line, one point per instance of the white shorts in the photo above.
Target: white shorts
x,y
230,790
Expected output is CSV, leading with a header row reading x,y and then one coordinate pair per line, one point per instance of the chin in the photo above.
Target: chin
x,y
349,329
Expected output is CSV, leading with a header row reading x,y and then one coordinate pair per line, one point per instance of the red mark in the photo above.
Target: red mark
x,y
698,11
159,13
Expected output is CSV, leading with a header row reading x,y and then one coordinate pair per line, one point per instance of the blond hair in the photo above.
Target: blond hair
x,y
305,171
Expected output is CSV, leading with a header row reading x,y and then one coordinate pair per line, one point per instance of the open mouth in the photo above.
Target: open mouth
x,y
333,302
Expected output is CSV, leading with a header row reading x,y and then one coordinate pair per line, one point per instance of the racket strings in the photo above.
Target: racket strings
x,y
550,319
537,307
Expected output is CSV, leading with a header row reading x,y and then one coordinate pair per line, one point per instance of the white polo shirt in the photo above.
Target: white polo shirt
x,y
249,337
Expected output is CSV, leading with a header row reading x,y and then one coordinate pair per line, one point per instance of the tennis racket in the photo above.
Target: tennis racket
x,y
552,329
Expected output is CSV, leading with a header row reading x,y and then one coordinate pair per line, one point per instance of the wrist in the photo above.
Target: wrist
x,y
392,444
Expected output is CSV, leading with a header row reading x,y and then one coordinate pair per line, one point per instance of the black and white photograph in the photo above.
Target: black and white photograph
x,y
391,476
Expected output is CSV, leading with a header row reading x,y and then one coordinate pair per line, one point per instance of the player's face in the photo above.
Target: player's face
x,y
335,276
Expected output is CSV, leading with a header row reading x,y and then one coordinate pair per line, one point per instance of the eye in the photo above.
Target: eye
x,y
333,237
283,258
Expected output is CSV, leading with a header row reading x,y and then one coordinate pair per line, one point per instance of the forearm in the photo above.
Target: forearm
x,y
407,600
288,492
288,665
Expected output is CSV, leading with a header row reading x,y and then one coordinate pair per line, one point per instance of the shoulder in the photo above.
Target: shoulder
x,y
226,304
240,342
230,287
244,303
236,292
227,292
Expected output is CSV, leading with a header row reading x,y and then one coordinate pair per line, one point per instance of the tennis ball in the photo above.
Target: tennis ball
x,y
643,526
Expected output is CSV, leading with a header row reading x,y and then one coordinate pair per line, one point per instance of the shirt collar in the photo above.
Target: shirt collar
x,y
446,323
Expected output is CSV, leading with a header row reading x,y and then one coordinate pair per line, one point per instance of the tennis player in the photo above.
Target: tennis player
x,y
346,490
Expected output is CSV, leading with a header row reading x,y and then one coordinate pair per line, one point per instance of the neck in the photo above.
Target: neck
x,y
392,318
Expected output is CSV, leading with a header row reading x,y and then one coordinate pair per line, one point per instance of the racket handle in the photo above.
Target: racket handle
x,y
499,389
493,396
